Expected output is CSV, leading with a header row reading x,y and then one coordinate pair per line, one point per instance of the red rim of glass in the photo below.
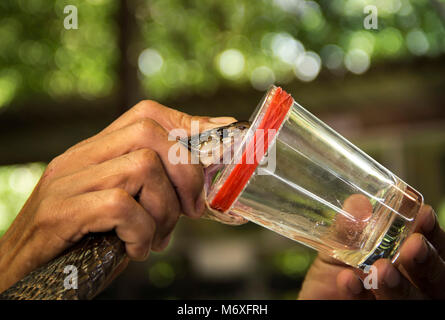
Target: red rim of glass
x,y
273,118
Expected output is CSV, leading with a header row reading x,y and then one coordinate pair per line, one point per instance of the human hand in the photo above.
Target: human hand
x,y
119,179
419,271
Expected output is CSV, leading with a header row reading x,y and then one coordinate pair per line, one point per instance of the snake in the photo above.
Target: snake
x,y
96,258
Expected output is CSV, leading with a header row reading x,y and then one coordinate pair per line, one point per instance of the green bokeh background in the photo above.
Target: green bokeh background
x,y
383,89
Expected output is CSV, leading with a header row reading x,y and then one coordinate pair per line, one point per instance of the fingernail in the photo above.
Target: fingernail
x,y
165,242
355,286
222,120
200,203
423,252
392,278
429,225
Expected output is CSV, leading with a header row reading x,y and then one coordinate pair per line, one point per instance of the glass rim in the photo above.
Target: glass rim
x,y
276,104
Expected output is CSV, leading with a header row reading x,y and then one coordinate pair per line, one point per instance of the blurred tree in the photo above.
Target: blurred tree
x,y
39,58
194,46
16,184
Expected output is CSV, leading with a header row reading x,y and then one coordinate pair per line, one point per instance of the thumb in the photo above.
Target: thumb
x,y
168,118
173,119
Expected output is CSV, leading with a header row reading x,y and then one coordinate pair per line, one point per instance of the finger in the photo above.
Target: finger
x,y
424,266
349,225
142,175
321,280
168,118
391,285
351,287
187,178
105,210
428,225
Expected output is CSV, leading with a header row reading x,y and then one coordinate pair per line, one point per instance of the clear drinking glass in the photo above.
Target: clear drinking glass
x,y
319,189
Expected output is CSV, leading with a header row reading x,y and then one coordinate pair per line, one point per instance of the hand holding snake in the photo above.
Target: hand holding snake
x,y
121,180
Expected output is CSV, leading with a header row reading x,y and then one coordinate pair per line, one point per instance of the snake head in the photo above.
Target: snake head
x,y
212,147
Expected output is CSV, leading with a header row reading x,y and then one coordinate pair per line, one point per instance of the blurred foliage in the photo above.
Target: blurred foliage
x,y
38,57
194,45
293,262
16,184
441,213
161,274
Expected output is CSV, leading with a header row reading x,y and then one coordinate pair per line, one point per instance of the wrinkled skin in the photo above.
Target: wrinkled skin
x,y
120,179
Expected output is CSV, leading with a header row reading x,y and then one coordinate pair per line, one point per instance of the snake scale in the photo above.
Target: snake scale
x,y
97,257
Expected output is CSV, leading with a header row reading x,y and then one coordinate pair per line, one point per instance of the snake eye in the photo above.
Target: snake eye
x,y
218,134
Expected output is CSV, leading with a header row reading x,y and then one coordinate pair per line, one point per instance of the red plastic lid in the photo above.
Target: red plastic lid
x,y
236,181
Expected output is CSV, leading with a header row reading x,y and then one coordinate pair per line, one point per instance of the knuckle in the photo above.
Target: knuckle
x,y
52,167
184,120
49,184
145,108
47,214
147,127
55,162
119,201
148,162
145,105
